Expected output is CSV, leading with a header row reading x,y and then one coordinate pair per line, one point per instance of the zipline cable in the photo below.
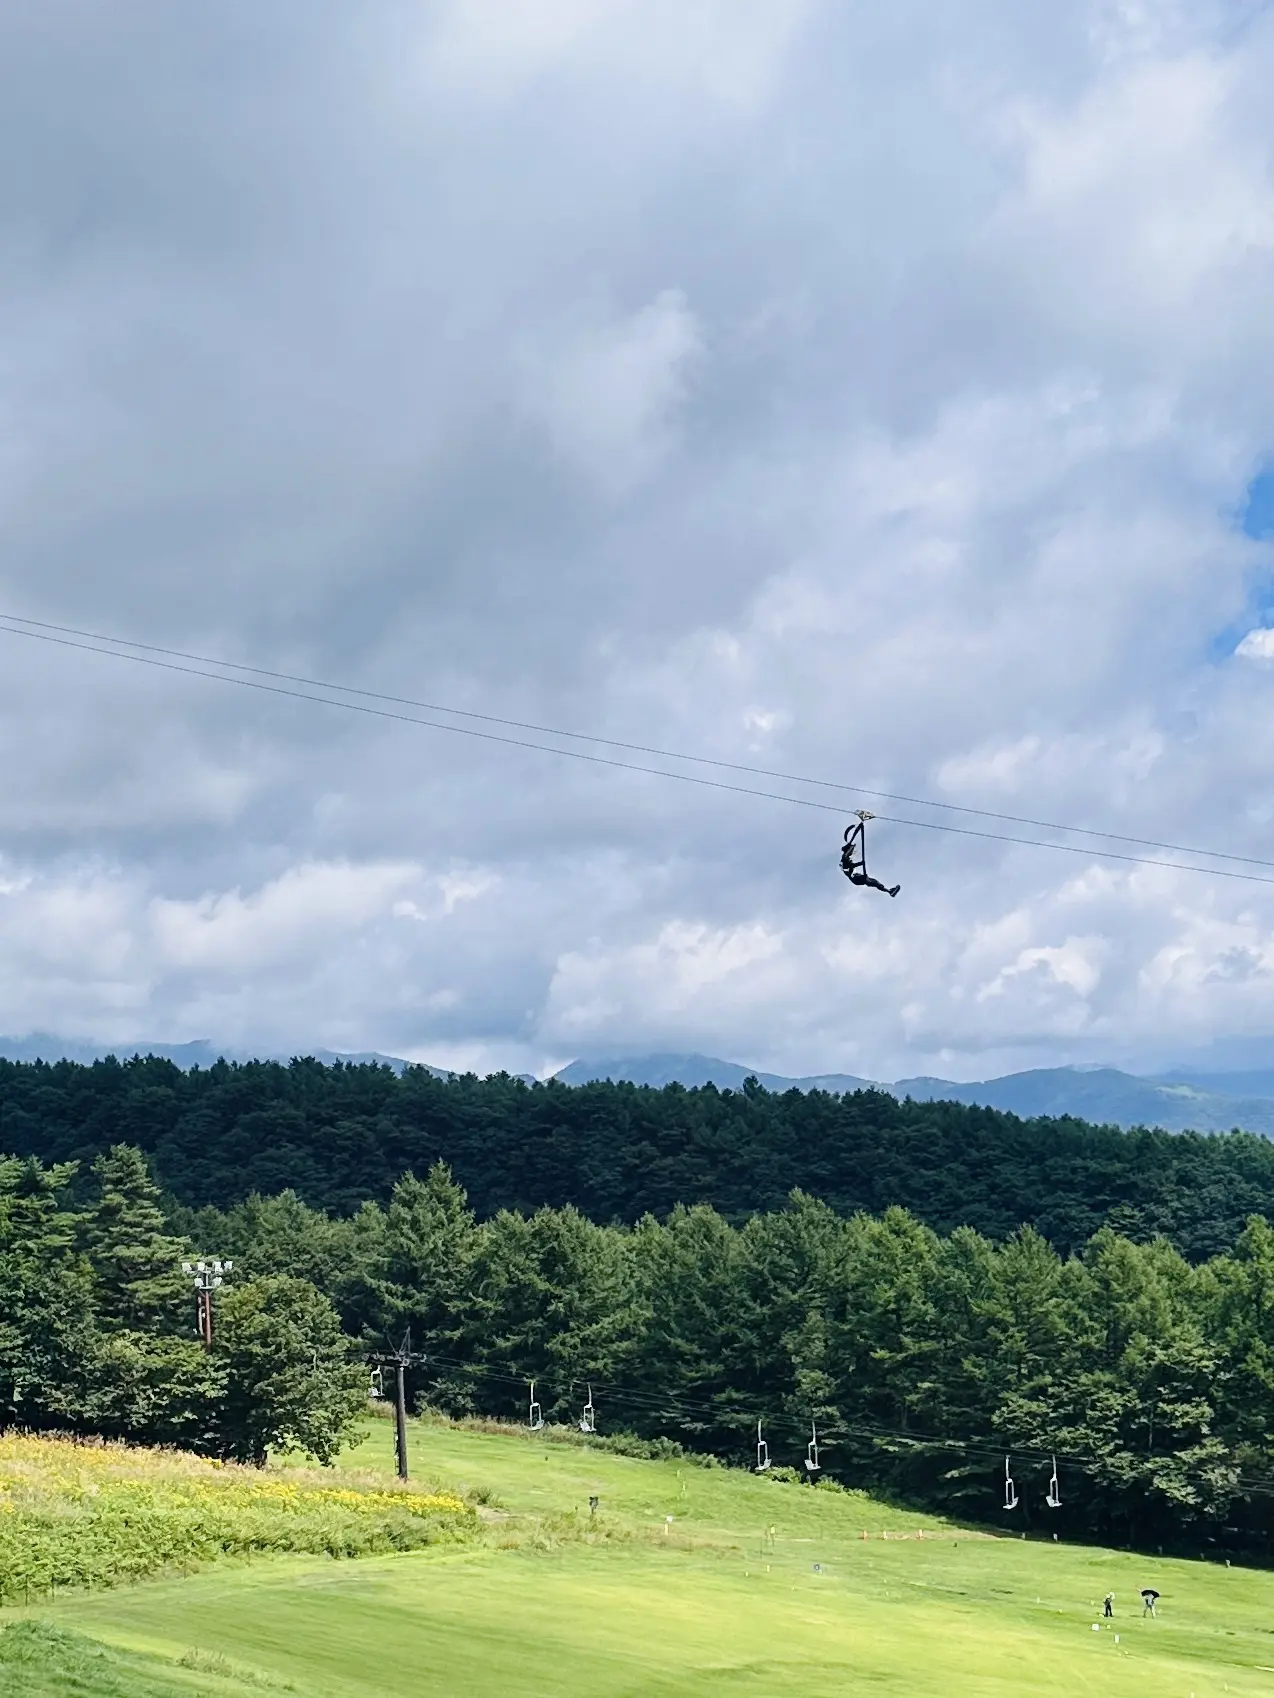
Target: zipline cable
x,y
16,619
277,689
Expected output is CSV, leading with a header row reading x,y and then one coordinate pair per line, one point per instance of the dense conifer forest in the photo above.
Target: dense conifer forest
x,y
97,1329
945,1287
343,1135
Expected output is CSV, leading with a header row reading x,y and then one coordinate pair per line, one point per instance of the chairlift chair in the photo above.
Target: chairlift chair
x,y
1054,1498
762,1452
376,1385
1010,1490
588,1420
534,1419
812,1464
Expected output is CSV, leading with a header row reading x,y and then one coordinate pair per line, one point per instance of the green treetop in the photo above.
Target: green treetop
x,y
136,1260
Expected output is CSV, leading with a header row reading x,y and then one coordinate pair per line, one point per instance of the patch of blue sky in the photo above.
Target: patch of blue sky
x,y
1254,517
1257,520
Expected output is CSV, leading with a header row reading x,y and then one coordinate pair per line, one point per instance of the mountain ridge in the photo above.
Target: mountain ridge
x,y
197,1052
1179,1100
1105,1095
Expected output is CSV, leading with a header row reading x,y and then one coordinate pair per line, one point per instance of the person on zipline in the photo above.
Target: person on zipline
x,y
853,859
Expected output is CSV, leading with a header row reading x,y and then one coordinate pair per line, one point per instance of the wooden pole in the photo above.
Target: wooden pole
x,y
400,1415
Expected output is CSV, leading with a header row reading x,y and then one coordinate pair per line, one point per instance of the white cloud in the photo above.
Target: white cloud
x,y
468,886
230,931
609,395
724,51
1144,200
863,393
1073,964
311,956
481,40
669,977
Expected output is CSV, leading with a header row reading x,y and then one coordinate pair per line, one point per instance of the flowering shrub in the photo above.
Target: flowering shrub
x,y
75,1514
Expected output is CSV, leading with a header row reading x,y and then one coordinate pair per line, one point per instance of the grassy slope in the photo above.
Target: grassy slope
x,y
709,1607
93,1514
41,1661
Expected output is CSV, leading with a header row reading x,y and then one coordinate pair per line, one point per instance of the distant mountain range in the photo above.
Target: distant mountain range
x,y
1177,1101
201,1052
690,1070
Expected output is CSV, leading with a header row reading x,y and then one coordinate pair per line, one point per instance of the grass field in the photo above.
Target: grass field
x,y
753,1588
81,1515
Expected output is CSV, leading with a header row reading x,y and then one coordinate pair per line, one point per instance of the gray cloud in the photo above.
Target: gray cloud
x,y
866,394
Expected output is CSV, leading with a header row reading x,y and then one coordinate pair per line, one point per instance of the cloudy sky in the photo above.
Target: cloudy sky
x,y
880,392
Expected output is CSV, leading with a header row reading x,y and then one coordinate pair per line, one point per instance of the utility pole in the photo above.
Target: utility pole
x,y
400,1360
208,1277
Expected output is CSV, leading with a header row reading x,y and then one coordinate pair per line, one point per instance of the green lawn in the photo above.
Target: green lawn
x,y
38,1660
716,1604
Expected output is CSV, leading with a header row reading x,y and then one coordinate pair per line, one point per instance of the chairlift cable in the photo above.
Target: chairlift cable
x,y
744,1417
1089,851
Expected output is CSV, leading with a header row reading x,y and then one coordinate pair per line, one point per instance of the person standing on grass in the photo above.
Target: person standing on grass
x,y
1149,1598
1108,1605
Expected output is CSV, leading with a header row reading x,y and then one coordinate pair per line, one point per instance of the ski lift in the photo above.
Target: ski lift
x,y
534,1419
588,1420
853,856
376,1385
1010,1490
762,1452
1054,1498
812,1464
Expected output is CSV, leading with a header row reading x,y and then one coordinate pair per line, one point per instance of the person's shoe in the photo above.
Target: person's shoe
x,y
895,890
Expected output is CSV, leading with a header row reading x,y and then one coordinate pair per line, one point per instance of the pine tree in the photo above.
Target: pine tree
x,y
46,1310
136,1259
419,1278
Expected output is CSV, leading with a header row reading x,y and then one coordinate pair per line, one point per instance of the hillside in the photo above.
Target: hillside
x,y
198,1052
1216,1102
685,1582
341,1135
1107,1096
98,1514
694,1071
1183,1100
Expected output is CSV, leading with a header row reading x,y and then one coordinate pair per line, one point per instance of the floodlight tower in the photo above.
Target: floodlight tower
x,y
208,1276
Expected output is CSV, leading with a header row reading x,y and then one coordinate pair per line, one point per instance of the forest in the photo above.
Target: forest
x,y
97,1330
922,1359
343,1135
946,1288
